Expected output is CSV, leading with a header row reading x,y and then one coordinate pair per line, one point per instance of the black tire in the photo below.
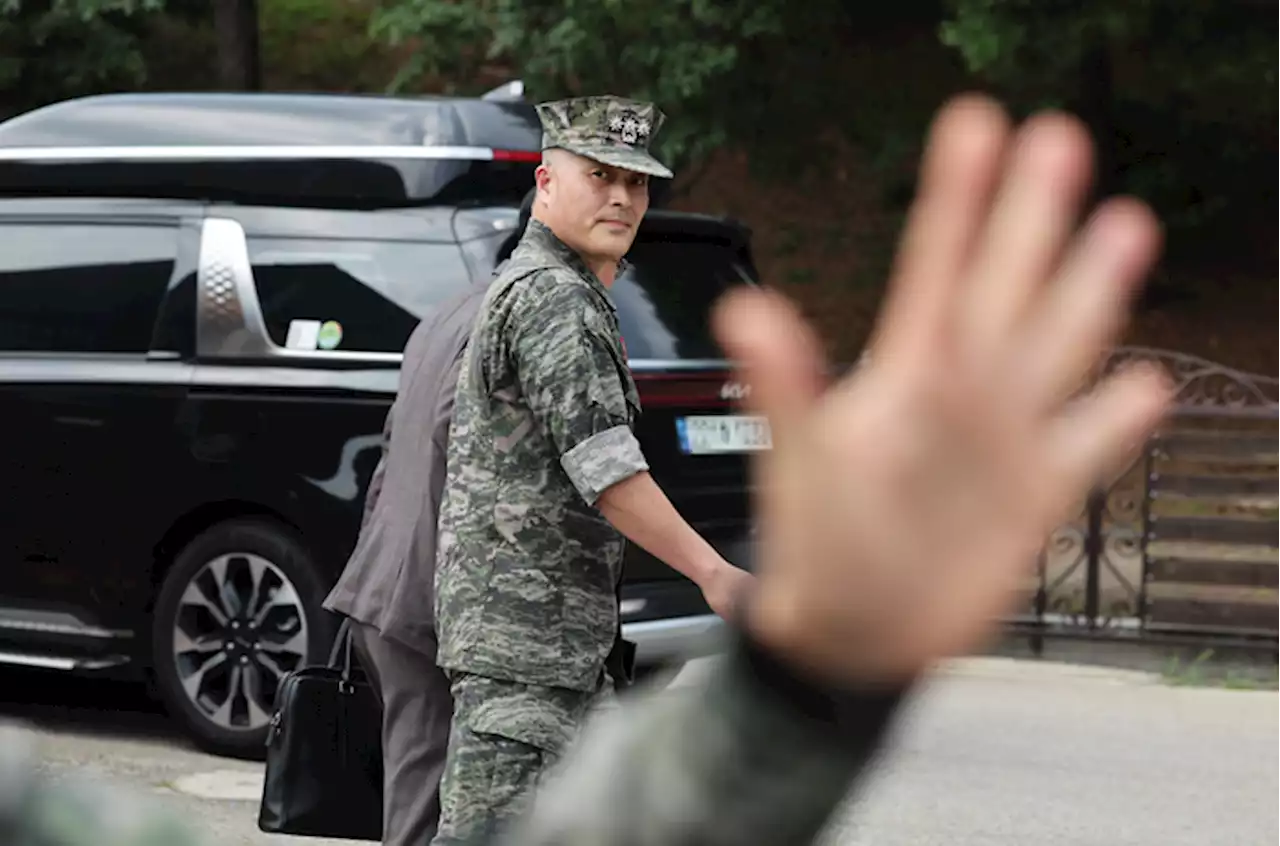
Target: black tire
x,y
224,714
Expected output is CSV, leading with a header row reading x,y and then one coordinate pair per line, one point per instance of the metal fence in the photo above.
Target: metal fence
x,y
1182,547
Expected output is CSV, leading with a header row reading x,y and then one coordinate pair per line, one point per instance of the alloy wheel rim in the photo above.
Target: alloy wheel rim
x,y
239,628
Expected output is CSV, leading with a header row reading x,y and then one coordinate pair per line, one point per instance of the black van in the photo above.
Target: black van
x,y
203,303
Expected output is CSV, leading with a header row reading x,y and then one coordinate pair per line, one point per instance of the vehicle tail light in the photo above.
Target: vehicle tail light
x,y
716,389
529,156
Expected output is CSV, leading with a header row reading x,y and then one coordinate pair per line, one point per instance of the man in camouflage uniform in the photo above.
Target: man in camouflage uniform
x,y
545,476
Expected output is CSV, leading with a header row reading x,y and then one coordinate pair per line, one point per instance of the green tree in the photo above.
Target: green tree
x,y
322,45
235,24
768,78
53,49
1181,96
680,53
1199,49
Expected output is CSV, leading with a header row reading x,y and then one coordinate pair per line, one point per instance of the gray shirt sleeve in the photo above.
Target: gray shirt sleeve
x,y
571,377
442,417
379,472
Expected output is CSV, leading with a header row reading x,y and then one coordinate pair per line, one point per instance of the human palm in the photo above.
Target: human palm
x,y
901,507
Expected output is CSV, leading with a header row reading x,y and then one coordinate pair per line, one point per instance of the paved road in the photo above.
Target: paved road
x,y
1038,757
993,752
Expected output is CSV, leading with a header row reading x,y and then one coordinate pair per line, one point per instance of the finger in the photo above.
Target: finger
x,y
957,178
1034,213
778,352
1091,440
1088,305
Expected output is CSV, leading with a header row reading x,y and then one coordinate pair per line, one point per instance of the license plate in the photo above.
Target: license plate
x,y
723,433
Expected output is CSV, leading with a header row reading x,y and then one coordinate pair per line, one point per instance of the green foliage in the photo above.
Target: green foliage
x,y
63,48
1188,108
686,55
772,78
322,45
1036,46
1030,43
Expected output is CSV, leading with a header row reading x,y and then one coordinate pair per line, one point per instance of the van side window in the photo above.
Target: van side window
x,y
359,296
82,288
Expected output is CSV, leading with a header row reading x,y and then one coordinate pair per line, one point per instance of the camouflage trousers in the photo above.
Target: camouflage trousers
x,y
504,739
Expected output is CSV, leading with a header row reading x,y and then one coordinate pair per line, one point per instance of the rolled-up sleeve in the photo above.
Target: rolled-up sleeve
x,y
602,461
572,382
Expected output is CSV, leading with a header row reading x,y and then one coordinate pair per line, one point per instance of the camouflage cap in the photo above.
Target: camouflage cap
x,y
611,130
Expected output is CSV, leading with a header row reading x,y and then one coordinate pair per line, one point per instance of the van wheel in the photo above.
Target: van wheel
x,y
240,608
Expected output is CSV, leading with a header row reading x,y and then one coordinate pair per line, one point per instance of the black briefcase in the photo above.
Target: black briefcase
x,y
324,752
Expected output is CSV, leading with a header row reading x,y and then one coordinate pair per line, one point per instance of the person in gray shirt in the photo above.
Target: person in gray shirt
x,y
387,587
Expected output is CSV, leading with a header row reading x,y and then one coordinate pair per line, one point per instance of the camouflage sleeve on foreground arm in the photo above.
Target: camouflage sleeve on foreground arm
x,y
751,755
36,811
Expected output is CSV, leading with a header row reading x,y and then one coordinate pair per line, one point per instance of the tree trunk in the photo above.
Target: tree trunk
x,y
1097,108
235,24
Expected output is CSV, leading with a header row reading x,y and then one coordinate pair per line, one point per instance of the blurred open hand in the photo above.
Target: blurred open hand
x,y
901,508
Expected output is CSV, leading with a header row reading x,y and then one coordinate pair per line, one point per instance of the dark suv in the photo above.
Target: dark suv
x,y
203,303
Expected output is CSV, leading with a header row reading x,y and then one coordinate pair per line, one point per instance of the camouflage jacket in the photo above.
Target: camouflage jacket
x,y
527,568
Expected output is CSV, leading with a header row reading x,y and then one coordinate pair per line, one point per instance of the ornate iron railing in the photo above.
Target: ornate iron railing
x,y
1183,543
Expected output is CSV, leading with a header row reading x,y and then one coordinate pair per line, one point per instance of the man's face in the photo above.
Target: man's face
x,y
594,208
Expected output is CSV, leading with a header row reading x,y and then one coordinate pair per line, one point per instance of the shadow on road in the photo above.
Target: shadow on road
x,y
110,708
53,701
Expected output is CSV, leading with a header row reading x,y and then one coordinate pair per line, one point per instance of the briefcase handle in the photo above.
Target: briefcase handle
x,y
342,643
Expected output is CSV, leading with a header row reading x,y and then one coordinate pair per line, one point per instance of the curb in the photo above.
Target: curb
x,y
990,667
1032,669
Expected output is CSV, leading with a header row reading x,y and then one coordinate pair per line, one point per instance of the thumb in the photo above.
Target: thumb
x,y
776,350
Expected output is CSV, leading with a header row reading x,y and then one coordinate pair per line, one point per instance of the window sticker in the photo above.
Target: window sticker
x,y
303,334
330,335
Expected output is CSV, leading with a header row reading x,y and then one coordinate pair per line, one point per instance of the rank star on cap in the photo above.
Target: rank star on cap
x,y
606,128
631,128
